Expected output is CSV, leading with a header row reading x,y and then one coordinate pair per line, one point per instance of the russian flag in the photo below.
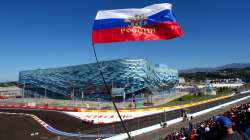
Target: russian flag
x,y
154,22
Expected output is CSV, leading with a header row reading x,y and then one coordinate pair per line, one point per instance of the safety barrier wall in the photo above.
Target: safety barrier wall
x,y
40,107
78,109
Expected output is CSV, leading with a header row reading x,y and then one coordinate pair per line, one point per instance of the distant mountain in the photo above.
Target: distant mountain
x,y
228,66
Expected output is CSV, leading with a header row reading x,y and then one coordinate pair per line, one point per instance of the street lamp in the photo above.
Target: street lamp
x,y
73,93
45,92
82,94
22,85
23,89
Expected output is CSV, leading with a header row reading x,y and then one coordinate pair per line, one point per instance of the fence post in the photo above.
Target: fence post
x,y
165,116
113,129
138,122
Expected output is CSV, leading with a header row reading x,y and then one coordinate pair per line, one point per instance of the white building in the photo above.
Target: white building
x,y
10,91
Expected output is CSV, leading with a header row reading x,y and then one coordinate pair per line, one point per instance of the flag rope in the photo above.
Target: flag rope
x,y
106,87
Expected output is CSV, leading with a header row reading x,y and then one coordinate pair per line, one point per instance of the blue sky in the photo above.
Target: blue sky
x,y
51,33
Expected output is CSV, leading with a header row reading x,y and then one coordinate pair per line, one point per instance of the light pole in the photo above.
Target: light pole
x,y
124,96
165,115
125,92
98,127
45,92
73,93
82,94
23,89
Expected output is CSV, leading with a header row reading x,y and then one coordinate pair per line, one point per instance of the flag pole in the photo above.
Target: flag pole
x,y
106,87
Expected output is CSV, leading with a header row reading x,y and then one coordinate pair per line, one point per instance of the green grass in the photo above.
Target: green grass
x,y
184,98
191,99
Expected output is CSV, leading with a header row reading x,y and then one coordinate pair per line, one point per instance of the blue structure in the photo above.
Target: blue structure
x,y
134,76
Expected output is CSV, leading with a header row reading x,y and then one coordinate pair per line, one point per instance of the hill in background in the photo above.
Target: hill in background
x,y
242,73
228,66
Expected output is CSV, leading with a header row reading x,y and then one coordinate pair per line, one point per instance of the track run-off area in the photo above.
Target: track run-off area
x,y
61,123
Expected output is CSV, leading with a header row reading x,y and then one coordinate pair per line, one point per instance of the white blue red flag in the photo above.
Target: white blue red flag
x,y
154,22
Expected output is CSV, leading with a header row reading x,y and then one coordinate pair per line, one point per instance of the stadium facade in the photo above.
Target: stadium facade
x,y
127,77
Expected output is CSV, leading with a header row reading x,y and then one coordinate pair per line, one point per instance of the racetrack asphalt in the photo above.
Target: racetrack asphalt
x,y
21,127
